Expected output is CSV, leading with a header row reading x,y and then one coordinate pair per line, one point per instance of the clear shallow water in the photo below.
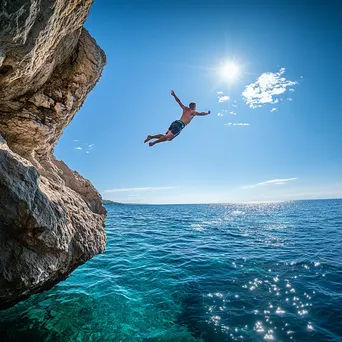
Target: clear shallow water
x,y
253,272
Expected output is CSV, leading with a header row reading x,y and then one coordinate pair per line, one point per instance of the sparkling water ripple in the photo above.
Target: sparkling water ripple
x,y
250,272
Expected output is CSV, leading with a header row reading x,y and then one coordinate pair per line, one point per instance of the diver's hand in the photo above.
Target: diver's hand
x,y
173,93
209,111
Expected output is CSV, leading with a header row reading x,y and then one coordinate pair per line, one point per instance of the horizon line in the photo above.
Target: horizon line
x,y
243,202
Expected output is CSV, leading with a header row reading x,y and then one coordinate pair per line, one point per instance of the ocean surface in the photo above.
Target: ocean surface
x,y
229,272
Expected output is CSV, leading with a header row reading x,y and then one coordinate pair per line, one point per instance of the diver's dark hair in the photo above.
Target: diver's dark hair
x,y
192,105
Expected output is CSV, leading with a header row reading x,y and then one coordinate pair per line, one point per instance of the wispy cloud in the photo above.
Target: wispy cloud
x,y
220,92
232,113
273,110
219,114
223,98
150,188
87,147
272,181
267,89
237,124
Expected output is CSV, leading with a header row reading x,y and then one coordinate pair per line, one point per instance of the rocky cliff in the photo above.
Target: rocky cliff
x,y
51,219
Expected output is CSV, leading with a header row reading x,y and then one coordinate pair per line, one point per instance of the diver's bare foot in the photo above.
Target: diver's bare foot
x,y
147,139
151,144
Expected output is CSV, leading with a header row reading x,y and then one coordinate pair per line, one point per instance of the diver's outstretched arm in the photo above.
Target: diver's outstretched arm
x,y
202,113
177,99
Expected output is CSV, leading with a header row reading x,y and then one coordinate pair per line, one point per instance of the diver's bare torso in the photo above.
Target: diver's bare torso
x,y
187,115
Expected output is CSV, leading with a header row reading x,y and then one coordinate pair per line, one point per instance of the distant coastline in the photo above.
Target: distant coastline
x,y
109,202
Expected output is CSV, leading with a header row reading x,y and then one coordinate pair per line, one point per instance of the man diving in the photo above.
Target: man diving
x,y
176,126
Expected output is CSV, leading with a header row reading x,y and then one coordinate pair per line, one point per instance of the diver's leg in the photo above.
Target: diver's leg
x,y
149,137
165,137
161,139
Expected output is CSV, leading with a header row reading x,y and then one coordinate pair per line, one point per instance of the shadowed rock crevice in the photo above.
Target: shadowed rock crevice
x,y
51,218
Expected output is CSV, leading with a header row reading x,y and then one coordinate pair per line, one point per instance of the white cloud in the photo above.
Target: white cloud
x,y
220,92
89,148
267,89
237,124
151,188
273,110
234,105
291,90
232,113
223,98
219,114
272,181
290,99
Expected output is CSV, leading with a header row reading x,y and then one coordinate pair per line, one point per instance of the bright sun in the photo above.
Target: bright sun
x,y
230,71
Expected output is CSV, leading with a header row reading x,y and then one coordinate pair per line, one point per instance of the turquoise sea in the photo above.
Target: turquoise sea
x,y
227,272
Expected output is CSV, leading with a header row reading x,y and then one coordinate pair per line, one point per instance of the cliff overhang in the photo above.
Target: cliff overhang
x,y
51,218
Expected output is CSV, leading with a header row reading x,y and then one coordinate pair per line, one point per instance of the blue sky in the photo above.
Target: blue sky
x,y
275,135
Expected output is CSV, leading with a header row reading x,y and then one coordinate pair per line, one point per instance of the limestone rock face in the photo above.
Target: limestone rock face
x,y
51,218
